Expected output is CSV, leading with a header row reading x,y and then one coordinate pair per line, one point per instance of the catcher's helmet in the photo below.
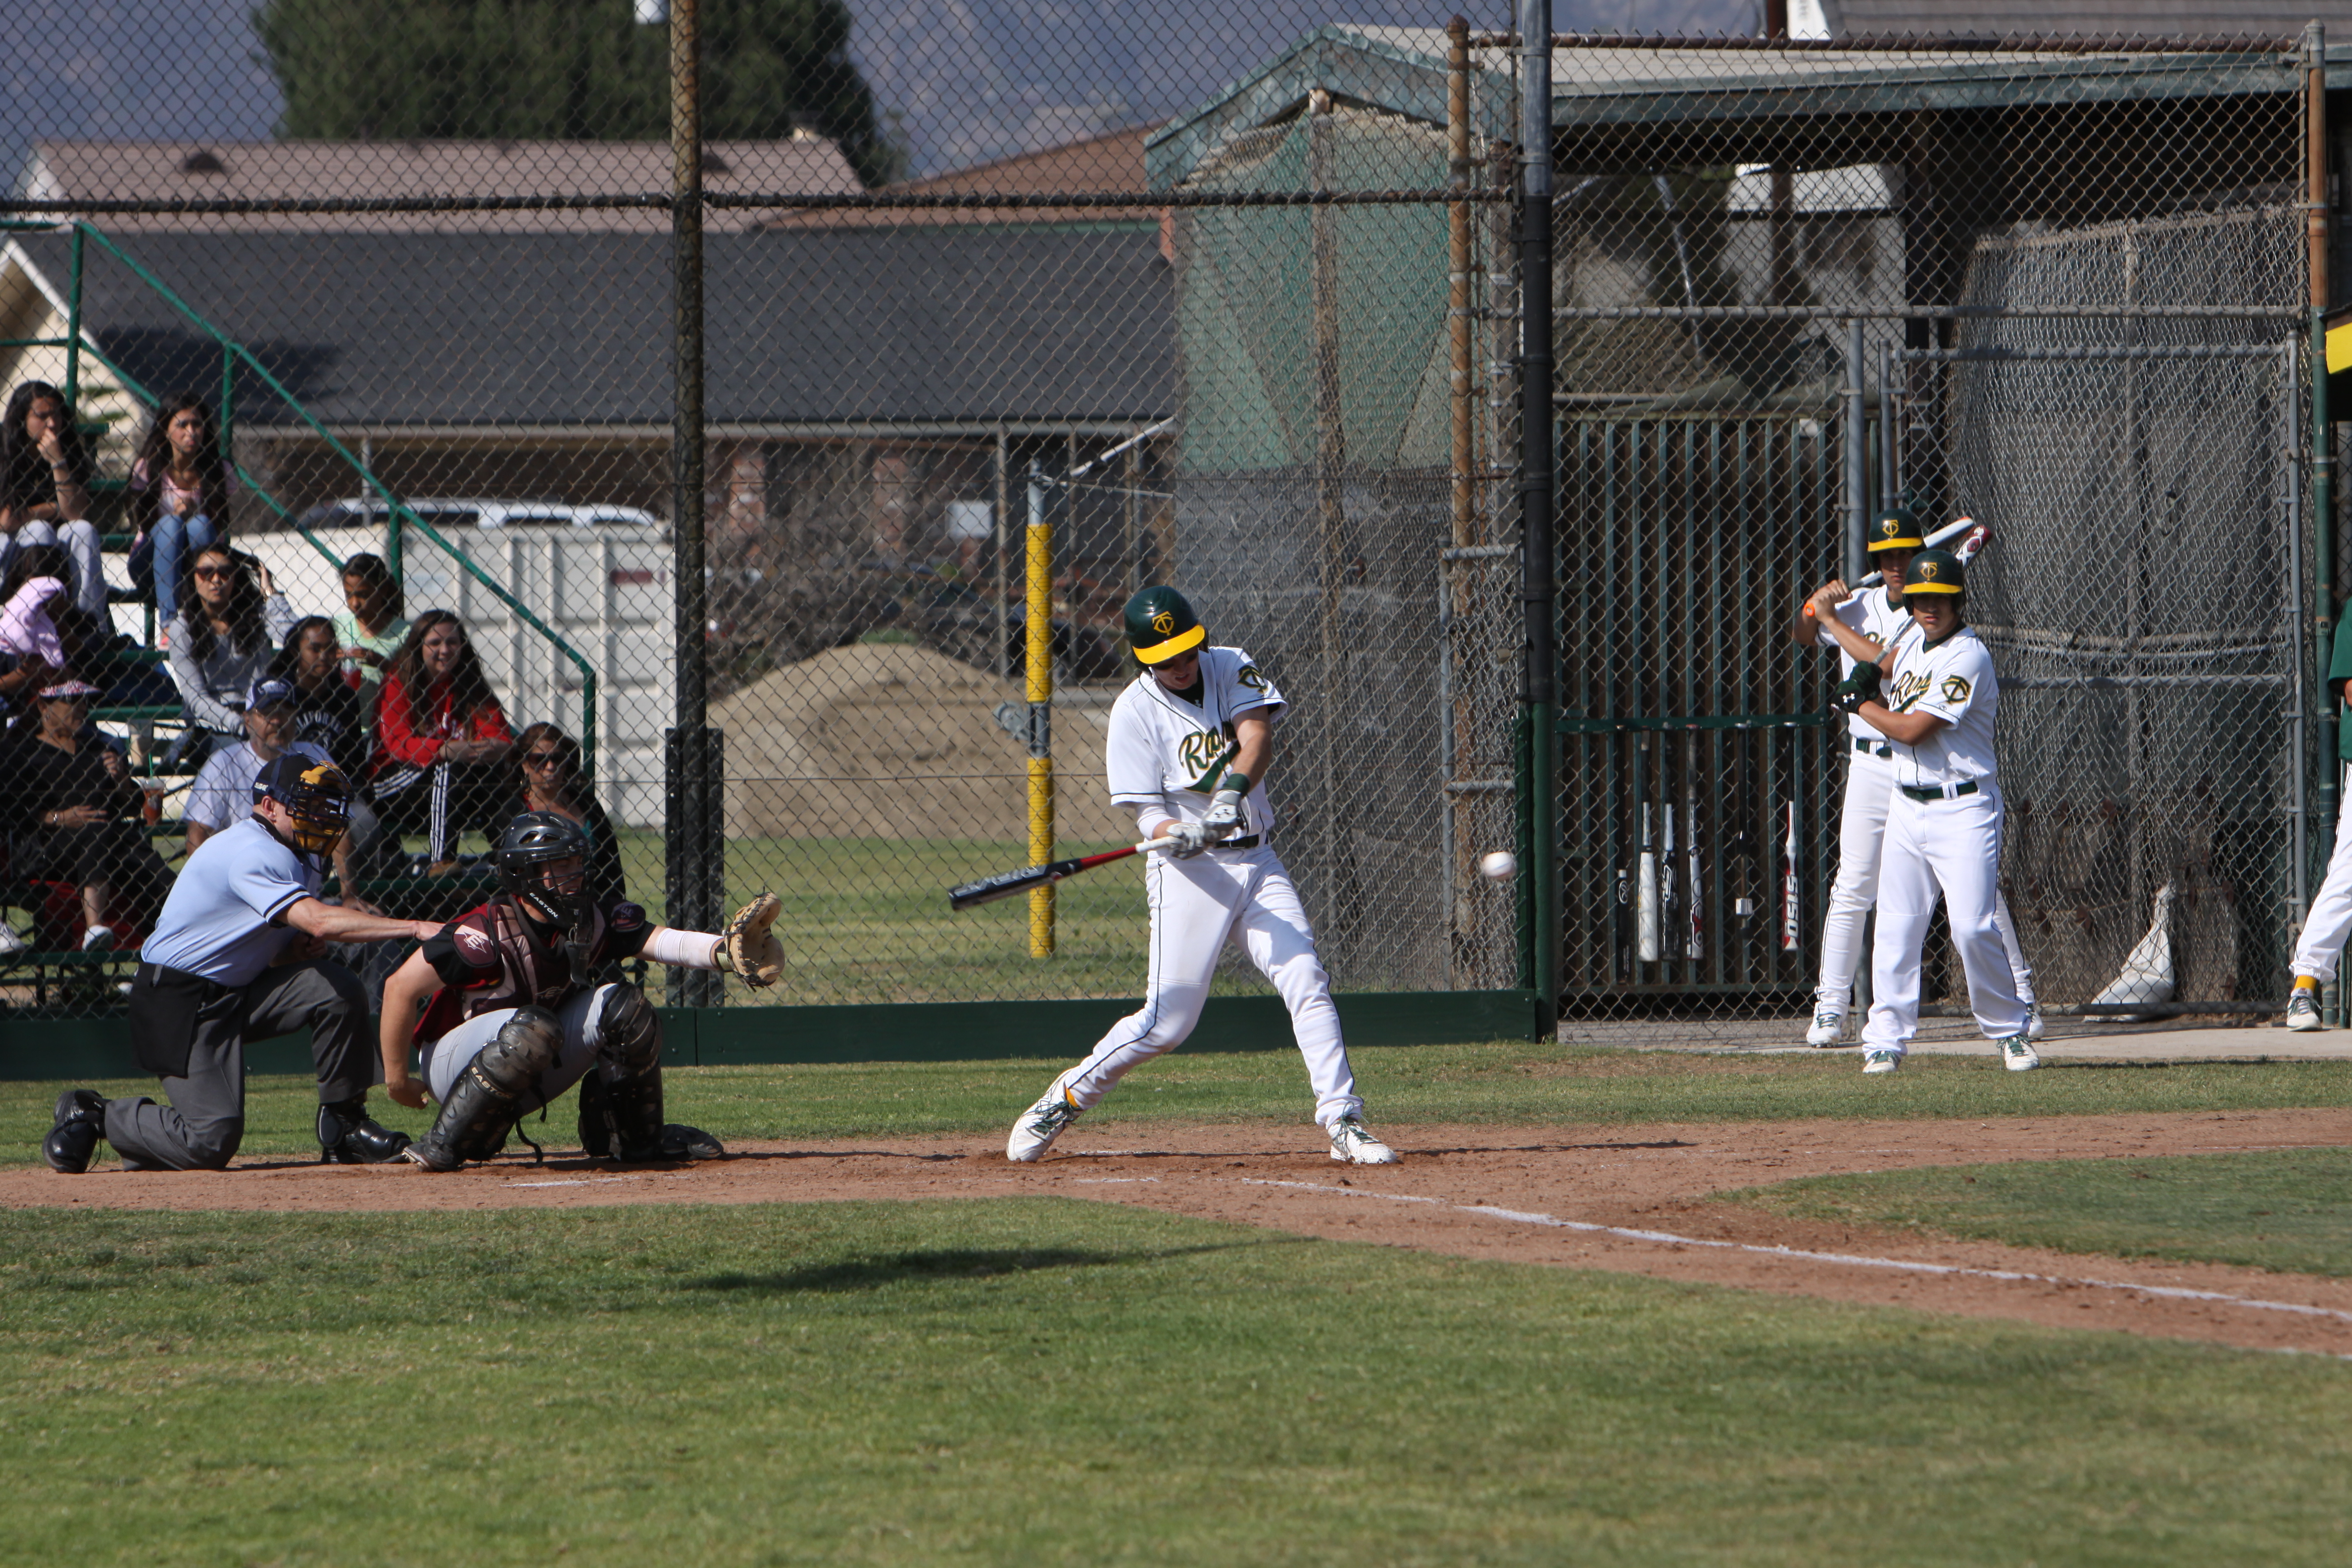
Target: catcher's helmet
x,y
314,790
1935,572
1160,626
531,843
1896,529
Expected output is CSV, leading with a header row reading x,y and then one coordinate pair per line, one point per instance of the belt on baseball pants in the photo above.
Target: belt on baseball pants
x,y
1872,748
1939,792
1249,842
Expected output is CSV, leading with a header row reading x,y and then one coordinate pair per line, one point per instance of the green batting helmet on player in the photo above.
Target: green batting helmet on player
x,y
1935,572
1160,626
1896,529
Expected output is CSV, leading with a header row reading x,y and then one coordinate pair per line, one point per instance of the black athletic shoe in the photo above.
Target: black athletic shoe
x,y
80,1125
680,1141
347,1136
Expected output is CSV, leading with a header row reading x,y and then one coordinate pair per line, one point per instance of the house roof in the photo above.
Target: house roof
x,y
568,332
1112,163
215,171
2081,18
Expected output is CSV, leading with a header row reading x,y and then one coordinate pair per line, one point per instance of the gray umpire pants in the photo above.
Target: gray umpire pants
x,y
201,1126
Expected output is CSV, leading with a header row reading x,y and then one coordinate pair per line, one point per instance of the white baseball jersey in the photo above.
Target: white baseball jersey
x,y
1165,752
1877,618
1954,680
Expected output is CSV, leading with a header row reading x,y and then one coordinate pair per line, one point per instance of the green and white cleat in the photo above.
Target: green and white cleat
x,y
1352,1143
2302,1010
1828,1026
2033,1020
1039,1126
2017,1054
1882,1058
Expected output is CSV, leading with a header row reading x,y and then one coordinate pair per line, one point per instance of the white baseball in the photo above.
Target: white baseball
x,y
1502,866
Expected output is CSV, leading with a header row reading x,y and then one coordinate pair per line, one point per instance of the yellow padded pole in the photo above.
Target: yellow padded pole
x,y
1040,663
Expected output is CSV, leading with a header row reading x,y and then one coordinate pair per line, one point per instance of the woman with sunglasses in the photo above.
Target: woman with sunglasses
x,y
441,740
548,779
221,643
81,809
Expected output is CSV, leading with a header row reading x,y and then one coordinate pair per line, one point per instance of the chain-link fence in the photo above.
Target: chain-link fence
x,y
1236,304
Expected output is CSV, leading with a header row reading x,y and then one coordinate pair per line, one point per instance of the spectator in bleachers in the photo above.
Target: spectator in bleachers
x,y
220,642
179,498
42,631
81,815
371,627
45,474
441,740
328,712
548,778
221,795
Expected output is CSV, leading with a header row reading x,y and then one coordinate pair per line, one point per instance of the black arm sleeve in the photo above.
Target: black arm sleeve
x,y
625,931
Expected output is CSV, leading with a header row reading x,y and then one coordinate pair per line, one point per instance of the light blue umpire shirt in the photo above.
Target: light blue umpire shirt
x,y
218,921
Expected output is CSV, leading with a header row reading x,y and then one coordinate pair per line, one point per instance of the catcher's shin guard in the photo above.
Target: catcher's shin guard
x,y
678,1141
478,1113
628,1064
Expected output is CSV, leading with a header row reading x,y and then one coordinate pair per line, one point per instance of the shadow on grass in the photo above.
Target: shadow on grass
x,y
953,1263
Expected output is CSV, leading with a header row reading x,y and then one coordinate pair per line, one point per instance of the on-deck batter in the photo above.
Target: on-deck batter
x,y
2329,920
1191,740
1943,821
1862,626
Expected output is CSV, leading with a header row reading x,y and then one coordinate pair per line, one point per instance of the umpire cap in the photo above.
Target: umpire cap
x,y
1935,572
1896,529
1160,626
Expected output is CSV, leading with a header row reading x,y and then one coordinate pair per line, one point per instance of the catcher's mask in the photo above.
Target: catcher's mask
x,y
542,861
314,791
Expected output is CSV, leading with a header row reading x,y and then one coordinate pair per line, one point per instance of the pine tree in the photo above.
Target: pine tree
x,y
567,69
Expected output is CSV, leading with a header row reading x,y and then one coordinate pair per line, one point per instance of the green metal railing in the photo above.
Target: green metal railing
x,y
234,353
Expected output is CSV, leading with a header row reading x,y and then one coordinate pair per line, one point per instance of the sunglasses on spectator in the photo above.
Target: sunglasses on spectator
x,y
216,571
543,759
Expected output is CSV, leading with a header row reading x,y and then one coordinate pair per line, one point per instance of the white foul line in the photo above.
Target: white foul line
x,y
1854,1260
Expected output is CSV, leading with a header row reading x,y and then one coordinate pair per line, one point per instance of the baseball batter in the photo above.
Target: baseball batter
x,y
1863,626
2329,920
1191,740
1943,822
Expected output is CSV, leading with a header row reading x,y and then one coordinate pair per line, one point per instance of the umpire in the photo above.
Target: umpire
x,y
235,957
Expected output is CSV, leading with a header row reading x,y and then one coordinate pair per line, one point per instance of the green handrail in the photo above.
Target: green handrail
x,y
398,509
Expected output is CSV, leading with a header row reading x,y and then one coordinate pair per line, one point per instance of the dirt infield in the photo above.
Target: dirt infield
x,y
1635,1199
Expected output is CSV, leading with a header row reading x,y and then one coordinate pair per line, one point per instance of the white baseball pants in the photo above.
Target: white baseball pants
x,y
446,1058
2329,920
1862,842
1951,846
1245,895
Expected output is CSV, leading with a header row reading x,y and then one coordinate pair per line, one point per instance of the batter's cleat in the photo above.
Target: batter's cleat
x,y
2302,1010
1829,1027
1039,1126
1881,1058
80,1125
2017,1054
1352,1143
2033,1020
348,1137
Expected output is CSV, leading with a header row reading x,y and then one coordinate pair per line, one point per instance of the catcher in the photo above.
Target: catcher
x,y
503,1010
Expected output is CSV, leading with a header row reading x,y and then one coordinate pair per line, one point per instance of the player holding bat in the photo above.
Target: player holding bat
x,y
1862,626
1171,733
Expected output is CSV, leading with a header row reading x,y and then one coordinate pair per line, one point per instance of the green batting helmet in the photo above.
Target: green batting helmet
x,y
1935,572
1896,529
1160,626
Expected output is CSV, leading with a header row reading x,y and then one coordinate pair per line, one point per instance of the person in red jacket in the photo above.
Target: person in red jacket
x,y
441,739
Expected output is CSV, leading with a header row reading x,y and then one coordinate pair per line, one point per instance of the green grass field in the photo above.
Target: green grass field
x,y
1045,1382
2284,1208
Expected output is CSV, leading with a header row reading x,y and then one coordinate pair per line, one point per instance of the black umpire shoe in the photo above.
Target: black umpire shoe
x,y
81,1124
348,1137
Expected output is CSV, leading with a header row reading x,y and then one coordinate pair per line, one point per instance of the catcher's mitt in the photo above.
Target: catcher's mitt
x,y
750,948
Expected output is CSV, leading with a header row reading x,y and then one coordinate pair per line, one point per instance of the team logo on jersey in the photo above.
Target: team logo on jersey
x,y
1164,622
1250,676
1956,689
1907,688
1199,752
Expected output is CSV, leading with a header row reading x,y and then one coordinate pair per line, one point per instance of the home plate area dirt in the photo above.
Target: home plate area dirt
x,y
1633,1199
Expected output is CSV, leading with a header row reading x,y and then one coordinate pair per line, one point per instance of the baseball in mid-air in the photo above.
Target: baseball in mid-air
x,y
1502,865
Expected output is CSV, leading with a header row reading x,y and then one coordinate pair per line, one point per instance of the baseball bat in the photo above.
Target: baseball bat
x,y
1669,879
1004,884
1949,531
1646,897
1790,940
1694,940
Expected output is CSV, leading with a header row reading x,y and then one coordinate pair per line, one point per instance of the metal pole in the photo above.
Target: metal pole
x,y
2299,712
1537,486
1004,606
2323,466
1449,587
1040,660
1857,460
73,317
691,838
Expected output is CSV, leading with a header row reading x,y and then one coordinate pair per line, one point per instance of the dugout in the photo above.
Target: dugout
x,y
2059,284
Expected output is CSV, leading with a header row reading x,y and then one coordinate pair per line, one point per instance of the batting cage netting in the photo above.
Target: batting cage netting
x,y
776,426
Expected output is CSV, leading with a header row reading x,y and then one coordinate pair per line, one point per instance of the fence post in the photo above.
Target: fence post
x,y
1038,644
1537,486
1857,458
693,898
2323,464
73,319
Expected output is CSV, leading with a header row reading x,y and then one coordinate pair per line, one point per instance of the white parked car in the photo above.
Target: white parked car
x,y
446,513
